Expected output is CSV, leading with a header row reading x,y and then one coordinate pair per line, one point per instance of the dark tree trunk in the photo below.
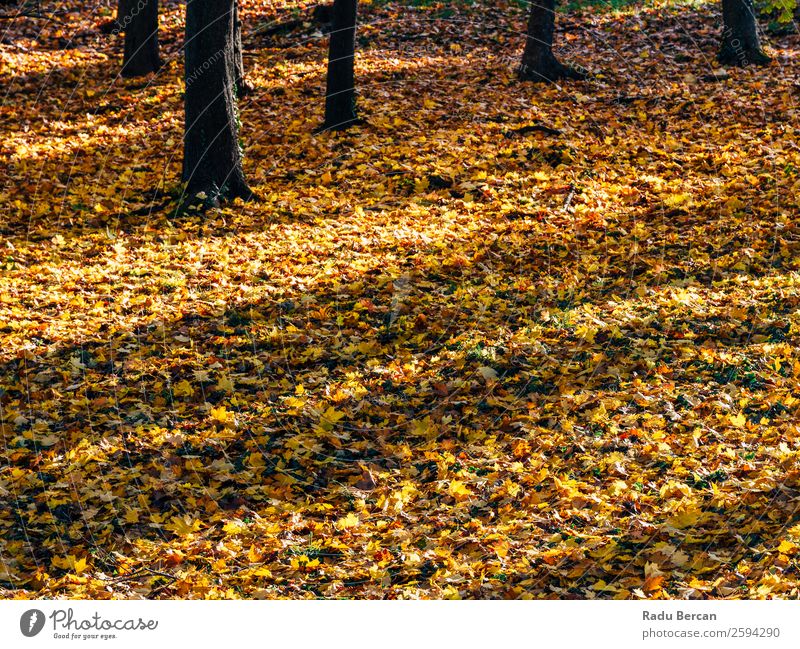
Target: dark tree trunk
x,y
242,87
538,61
740,43
212,159
139,20
115,26
340,98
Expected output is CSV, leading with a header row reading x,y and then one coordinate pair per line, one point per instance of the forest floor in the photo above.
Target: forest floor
x,y
444,355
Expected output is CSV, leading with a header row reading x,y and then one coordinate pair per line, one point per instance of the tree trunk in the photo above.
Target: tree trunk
x,y
139,20
740,43
340,98
242,87
538,61
115,26
212,158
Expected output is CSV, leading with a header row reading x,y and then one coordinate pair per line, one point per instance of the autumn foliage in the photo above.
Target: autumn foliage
x,y
497,340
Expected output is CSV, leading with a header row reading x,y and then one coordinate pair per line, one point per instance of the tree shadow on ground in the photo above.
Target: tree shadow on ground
x,y
92,428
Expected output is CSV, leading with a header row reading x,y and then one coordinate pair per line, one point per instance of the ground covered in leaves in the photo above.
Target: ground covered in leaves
x,y
500,341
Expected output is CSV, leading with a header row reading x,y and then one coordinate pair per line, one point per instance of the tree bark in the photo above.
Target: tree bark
x,y
139,20
212,158
740,43
340,98
115,26
538,61
242,87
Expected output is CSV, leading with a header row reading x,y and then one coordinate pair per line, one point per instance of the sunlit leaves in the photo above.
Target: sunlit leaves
x,y
438,359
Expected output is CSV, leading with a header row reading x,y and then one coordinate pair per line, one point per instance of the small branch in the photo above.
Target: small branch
x,y
568,200
531,128
624,100
143,572
276,28
28,14
25,14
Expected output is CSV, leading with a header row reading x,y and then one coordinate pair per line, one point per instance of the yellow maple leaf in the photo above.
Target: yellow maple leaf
x,y
459,490
222,415
653,583
617,487
328,419
183,389
302,562
263,571
332,415
183,525
256,460
234,527
675,200
501,548
77,565
685,519
225,384
423,427
738,420
351,520
450,592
